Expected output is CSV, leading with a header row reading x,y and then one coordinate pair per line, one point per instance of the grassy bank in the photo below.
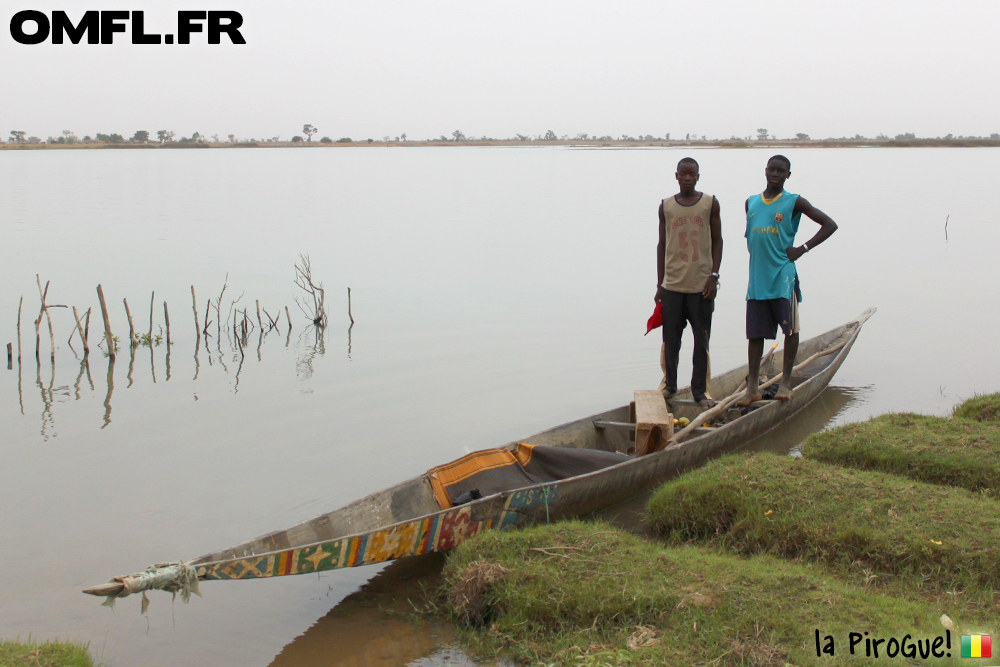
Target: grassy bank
x,y
576,593
913,537
47,654
962,450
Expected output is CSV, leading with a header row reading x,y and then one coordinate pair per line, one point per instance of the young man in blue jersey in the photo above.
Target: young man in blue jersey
x,y
773,294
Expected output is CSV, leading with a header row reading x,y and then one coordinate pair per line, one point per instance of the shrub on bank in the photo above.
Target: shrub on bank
x,y
582,593
962,450
48,654
927,536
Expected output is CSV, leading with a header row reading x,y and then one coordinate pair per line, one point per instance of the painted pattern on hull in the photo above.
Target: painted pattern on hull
x,y
438,532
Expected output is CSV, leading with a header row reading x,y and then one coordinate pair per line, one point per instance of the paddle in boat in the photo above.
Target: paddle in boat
x,y
567,471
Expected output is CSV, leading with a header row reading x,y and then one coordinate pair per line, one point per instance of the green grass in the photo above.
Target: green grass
x,y
909,538
985,408
962,450
574,593
47,654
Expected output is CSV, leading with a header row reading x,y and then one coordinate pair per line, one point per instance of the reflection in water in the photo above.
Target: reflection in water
x,y
818,415
313,345
304,365
152,364
371,626
111,389
47,418
20,393
84,368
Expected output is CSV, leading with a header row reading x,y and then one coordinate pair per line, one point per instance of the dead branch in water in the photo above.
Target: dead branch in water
x,y
166,318
208,306
152,301
43,294
38,320
218,307
194,307
349,305
111,347
304,279
288,315
83,336
131,327
19,329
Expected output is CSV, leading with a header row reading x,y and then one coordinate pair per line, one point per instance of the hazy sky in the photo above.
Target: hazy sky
x,y
370,68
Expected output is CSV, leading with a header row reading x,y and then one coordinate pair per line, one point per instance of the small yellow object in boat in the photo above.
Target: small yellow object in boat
x,y
683,421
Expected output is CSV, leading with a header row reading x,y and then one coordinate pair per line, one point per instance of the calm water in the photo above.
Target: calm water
x,y
496,292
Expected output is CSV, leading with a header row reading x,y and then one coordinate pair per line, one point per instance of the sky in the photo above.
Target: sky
x,y
375,68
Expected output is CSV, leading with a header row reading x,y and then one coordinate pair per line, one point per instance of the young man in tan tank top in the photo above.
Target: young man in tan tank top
x,y
688,258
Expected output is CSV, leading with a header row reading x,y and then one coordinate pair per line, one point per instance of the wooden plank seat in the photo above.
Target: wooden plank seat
x,y
654,424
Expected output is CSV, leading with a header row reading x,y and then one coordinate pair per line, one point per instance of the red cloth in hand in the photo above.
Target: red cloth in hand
x,y
656,319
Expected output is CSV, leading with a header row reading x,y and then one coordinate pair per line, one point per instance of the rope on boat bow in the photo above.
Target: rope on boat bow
x,y
171,577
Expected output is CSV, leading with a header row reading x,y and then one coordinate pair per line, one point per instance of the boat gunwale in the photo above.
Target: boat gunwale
x,y
842,330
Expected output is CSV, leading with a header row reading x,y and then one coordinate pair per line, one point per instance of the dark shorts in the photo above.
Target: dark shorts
x,y
764,317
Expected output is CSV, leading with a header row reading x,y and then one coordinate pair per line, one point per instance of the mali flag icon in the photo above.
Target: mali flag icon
x,y
976,646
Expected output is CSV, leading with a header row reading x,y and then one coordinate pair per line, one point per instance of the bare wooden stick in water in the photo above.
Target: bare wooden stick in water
x,y
274,324
111,343
194,307
19,328
259,323
86,324
131,327
349,305
208,306
79,328
152,300
289,317
38,320
166,318
10,356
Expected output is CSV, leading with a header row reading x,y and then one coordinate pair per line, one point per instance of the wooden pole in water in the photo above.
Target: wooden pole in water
x,y
349,305
152,300
194,307
83,337
259,323
166,318
86,324
131,328
38,320
107,334
19,328
289,318
208,308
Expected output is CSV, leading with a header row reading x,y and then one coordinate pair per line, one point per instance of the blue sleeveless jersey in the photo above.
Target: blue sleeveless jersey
x,y
771,229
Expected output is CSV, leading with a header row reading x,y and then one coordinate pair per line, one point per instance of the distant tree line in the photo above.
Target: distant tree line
x,y
308,130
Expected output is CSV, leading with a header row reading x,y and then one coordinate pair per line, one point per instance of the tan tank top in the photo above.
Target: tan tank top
x,y
687,261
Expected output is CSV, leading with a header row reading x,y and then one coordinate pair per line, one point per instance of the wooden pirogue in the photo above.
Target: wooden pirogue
x,y
439,509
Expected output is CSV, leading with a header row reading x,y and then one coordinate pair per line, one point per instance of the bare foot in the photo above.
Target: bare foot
x,y
707,403
784,392
749,398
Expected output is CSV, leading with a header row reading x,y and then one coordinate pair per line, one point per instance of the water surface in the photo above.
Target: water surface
x,y
496,292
